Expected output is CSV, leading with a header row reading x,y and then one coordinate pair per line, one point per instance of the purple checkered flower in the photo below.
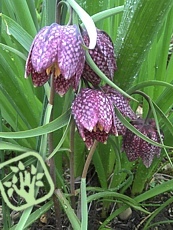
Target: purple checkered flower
x,y
56,50
136,147
103,56
94,115
122,104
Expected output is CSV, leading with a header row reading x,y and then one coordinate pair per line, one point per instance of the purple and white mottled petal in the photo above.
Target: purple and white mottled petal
x,y
90,75
120,102
136,147
106,47
100,136
85,109
38,79
120,128
131,145
103,56
71,55
45,47
149,151
94,116
105,112
89,139
29,66
62,85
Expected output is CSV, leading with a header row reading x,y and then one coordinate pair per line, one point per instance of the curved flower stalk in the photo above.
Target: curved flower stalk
x,y
56,50
103,55
136,147
94,114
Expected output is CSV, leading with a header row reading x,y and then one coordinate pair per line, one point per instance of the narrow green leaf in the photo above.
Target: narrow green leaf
x,y
84,205
103,76
68,210
52,126
49,12
36,214
134,130
98,164
23,219
56,149
144,84
5,47
125,199
14,29
25,19
87,21
107,13
140,24
9,146
158,189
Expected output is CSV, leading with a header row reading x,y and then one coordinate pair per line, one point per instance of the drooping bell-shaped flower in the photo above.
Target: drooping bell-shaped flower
x,y
103,55
135,147
94,116
56,50
122,104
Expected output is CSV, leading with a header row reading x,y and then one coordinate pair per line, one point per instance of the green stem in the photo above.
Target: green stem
x,y
52,163
88,160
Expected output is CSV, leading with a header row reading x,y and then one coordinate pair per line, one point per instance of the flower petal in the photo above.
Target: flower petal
x,y
85,109
103,55
136,147
45,47
121,103
38,79
105,111
71,55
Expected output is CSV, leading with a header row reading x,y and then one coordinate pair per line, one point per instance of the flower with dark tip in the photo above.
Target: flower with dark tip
x,y
94,116
56,50
103,55
122,104
136,147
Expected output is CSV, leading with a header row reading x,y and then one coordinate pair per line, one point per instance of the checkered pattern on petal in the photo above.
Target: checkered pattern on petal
x,y
136,147
105,111
38,79
45,47
85,109
56,50
94,116
119,101
61,85
71,55
103,56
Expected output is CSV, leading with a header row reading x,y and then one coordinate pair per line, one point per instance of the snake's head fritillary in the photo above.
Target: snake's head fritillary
x,y
57,50
136,147
103,55
94,116
122,104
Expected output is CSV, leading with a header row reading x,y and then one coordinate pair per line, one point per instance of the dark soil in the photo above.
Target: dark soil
x,y
136,220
